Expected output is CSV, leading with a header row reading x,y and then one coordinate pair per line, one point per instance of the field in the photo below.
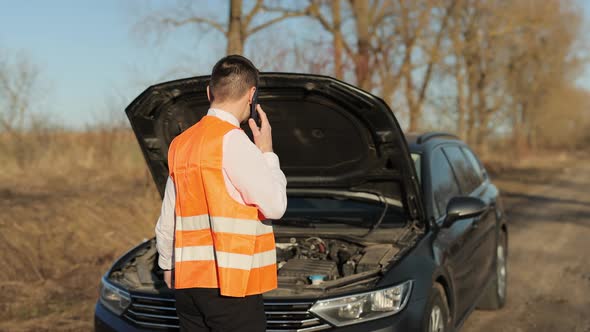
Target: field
x,y
83,199
64,219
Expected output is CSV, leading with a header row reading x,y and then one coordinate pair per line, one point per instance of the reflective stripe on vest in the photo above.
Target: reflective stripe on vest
x,y
219,243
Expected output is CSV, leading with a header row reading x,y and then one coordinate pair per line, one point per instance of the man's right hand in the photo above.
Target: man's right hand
x,y
263,135
168,278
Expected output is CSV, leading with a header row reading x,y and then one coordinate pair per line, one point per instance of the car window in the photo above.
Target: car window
x,y
475,163
417,166
466,174
444,185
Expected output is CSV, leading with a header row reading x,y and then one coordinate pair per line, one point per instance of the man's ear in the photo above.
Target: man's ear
x,y
251,94
208,94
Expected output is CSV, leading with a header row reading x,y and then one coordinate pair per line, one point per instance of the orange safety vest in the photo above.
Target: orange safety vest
x,y
219,243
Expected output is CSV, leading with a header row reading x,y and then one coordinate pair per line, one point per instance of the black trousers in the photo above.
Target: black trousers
x,y
205,310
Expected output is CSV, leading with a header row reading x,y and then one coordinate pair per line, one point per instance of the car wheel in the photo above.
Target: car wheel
x,y
436,316
495,296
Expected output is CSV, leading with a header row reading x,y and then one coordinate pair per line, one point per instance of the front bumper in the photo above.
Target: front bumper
x,y
410,319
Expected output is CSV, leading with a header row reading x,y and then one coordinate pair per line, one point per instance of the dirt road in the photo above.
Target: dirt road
x,y
549,256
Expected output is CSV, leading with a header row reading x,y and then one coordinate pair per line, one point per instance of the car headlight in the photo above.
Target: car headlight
x,y
365,306
115,299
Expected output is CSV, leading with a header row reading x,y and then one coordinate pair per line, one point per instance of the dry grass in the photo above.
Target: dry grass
x,y
78,203
73,202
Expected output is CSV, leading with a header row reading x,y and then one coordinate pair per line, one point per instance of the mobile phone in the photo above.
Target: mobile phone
x,y
253,112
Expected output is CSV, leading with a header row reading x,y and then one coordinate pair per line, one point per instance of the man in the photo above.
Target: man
x,y
221,186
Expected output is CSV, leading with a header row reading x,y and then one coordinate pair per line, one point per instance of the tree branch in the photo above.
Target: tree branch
x,y
434,50
383,13
273,21
194,20
248,19
285,13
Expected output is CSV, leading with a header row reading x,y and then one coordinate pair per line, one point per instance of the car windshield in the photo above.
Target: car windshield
x,y
336,211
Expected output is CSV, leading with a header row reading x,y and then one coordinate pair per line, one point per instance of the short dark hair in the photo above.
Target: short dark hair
x,y
231,78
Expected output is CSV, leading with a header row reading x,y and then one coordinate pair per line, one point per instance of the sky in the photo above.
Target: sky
x,y
92,59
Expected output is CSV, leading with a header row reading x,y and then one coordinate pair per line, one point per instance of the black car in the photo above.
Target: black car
x,y
383,231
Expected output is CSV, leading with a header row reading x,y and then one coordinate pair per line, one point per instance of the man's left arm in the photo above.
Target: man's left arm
x,y
165,231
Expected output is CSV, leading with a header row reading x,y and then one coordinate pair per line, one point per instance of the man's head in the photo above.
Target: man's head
x,y
232,85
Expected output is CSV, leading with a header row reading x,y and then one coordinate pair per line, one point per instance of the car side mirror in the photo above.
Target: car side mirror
x,y
463,207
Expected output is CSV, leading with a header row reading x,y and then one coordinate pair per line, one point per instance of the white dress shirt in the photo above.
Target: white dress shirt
x,y
251,177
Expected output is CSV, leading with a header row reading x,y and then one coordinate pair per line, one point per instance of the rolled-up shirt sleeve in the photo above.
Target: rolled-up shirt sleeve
x,y
165,227
256,175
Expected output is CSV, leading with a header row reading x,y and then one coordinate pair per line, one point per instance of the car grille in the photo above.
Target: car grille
x,y
285,316
160,313
153,312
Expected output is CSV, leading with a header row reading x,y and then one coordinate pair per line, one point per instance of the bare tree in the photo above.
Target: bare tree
x,y
367,17
18,83
19,90
331,22
360,10
416,92
485,64
338,39
240,25
392,42
546,64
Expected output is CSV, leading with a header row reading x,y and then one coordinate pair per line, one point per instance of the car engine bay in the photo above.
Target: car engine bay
x,y
303,262
299,260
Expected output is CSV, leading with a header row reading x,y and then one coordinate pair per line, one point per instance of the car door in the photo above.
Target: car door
x,y
457,241
482,230
487,222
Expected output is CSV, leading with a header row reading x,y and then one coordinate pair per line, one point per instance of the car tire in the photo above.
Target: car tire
x,y
494,297
437,316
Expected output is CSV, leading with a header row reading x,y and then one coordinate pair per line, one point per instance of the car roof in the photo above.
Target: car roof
x,y
419,142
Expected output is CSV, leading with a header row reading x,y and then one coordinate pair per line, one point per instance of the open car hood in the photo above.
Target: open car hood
x,y
328,134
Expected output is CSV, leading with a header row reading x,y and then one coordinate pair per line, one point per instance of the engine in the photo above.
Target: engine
x,y
303,261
